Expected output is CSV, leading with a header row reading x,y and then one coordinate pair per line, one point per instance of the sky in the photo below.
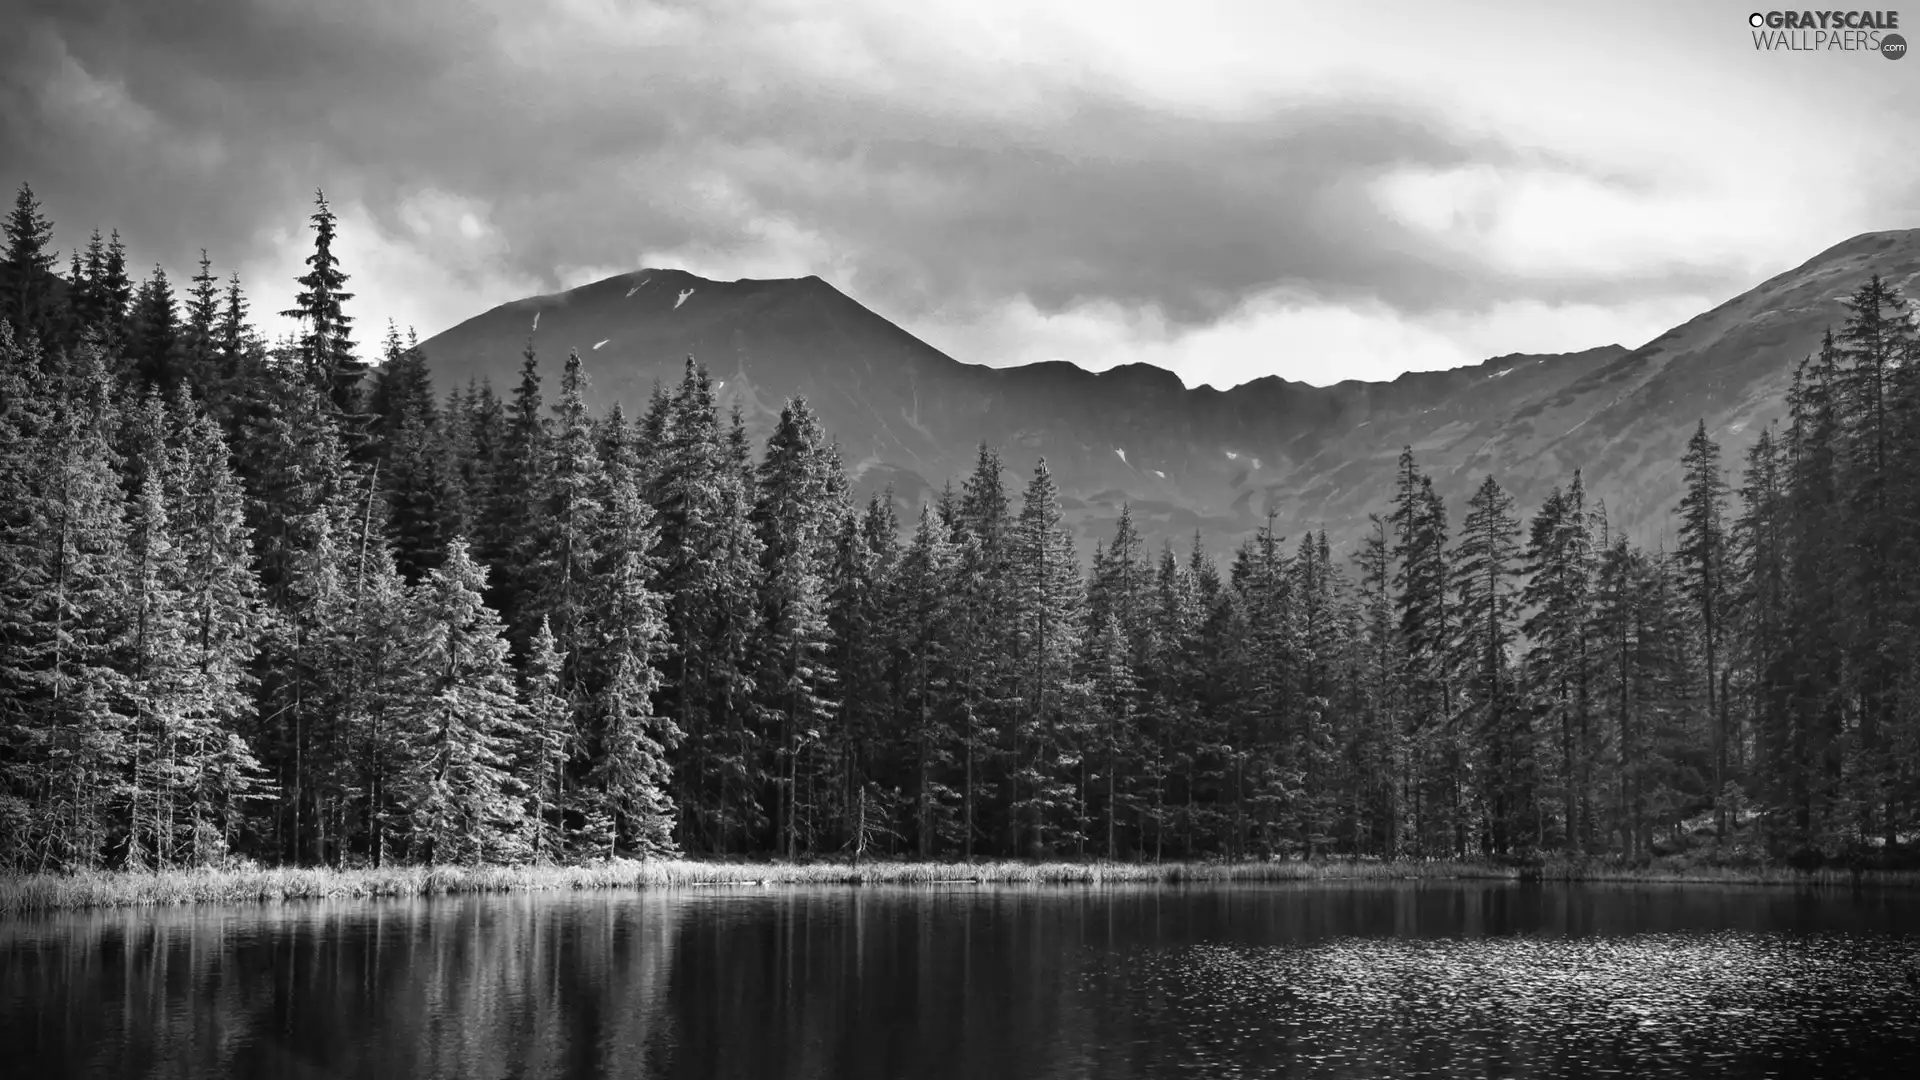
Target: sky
x,y
1225,189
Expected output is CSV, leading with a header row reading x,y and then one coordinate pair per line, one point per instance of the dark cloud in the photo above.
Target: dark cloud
x,y
201,124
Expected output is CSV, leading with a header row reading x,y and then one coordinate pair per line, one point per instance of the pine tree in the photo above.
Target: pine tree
x,y
157,681
1426,632
797,517
373,693
1560,568
26,272
1702,563
631,769
325,349
865,556
26,419
982,531
114,293
85,304
1045,742
1382,675
559,546
68,612
1760,539
199,337
515,478
155,355
465,800
709,563
1269,774
403,387
1816,589
924,609
1878,335
1484,570
546,747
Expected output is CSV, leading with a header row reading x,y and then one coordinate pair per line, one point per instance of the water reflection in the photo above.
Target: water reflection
x,y
973,981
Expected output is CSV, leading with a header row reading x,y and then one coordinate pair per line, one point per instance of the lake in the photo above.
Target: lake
x,y
1467,979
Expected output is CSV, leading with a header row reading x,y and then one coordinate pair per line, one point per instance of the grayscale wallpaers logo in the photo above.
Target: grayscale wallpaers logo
x,y
1827,31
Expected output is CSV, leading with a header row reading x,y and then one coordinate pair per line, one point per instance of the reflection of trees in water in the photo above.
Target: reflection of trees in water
x,y
879,982
526,985
1003,983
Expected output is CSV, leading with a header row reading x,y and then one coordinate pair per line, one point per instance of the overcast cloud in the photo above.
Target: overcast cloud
x,y
1229,190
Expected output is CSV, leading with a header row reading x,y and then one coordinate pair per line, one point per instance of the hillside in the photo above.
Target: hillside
x,y
907,414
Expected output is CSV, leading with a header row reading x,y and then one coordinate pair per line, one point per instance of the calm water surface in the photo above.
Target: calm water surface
x,y
979,981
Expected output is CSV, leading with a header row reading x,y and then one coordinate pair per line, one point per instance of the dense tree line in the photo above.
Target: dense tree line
x,y
272,600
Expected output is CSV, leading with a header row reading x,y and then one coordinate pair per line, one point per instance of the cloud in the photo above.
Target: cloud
x,y
1199,175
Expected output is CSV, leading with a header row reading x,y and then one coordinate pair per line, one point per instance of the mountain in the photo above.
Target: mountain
x,y
908,415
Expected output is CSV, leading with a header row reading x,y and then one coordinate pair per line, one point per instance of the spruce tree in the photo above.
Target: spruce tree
x,y
1045,738
566,521
114,293
153,661
1703,568
710,556
154,352
1558,595
924,609
199,337
546,748
67,640
465,800
797,516
373,693
1485,565
982,530
325,347
631,772
26,272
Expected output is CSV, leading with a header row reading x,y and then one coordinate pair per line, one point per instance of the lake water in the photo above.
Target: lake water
x,y
980,981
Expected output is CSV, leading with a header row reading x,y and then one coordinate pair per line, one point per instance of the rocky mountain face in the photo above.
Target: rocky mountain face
x,y
906,414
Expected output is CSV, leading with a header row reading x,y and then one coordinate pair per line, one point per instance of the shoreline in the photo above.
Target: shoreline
x,y
23,894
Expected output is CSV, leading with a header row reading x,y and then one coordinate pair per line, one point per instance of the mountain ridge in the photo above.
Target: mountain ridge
x,y
907,414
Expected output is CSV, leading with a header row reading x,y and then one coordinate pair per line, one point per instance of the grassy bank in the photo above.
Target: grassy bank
x,y
41,892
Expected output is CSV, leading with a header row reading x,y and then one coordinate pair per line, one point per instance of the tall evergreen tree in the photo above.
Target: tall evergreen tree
x,y
27,278
798,518
325,347
1485,565
546,748
1558,595
464,801
1048,627
631,768
1703,568
155,352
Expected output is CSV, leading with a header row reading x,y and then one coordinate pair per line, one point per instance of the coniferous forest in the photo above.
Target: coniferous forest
x,y
273,601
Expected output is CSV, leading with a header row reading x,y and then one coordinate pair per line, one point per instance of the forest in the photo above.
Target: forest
x,y
289,602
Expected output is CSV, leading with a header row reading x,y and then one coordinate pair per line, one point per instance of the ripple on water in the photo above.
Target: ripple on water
x,y
1712,1004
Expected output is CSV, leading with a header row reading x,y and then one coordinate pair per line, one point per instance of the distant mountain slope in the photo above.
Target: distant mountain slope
x,y
909,415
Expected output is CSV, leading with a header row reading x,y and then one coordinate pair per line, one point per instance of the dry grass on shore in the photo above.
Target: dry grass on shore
x,y
43,892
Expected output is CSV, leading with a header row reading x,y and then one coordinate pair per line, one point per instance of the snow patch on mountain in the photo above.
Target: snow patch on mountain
x,y
1159,474
1231,456
1123,456
601,342
636,288
536,320
684,293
